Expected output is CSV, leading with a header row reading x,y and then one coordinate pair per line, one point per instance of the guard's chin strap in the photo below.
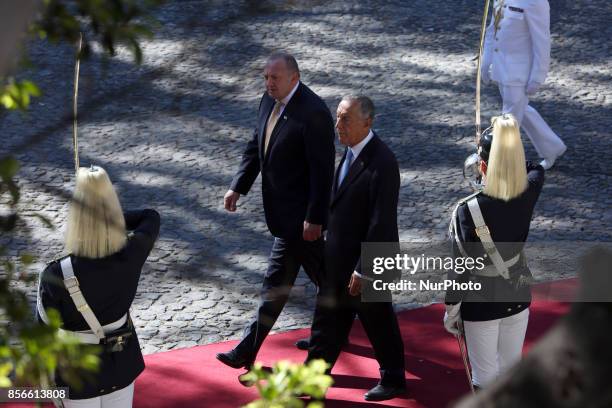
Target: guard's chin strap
x,y
478,76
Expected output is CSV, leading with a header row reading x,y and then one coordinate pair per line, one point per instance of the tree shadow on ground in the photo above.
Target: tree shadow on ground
x,y
430,132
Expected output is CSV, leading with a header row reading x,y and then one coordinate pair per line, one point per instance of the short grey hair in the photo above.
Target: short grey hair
x,y
289,59
366,106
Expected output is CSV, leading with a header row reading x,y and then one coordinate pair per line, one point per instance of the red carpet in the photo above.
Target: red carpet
x,y
194,378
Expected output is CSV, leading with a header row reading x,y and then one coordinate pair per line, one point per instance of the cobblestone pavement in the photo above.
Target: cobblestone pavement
x,y
171,132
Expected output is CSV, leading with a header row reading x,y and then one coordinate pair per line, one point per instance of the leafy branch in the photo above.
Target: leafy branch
x,y
30,353
287,382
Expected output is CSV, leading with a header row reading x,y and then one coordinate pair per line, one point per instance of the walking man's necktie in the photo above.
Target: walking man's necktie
x,y
346,165
271,123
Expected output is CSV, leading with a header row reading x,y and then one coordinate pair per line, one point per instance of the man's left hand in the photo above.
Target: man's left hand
x,y
312,232
354,286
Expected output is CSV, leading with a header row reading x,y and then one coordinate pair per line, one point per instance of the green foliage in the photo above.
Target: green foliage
x,y
111,22
17,95
8,168
37,350
282,387
31,352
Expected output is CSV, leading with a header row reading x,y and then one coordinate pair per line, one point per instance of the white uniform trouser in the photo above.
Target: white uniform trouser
x,y
118,399
546,142
494,345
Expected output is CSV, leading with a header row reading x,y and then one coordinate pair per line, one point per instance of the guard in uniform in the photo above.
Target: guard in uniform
x,y
517,56
493,224
94,287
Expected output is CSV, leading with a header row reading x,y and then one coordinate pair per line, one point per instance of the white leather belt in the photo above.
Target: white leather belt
x,y
88,337
96,332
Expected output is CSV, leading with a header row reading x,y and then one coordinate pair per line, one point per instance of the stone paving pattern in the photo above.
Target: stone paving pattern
x,y
172,132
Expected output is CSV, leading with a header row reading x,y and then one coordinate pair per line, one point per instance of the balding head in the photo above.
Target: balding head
x,y
290,61
281,75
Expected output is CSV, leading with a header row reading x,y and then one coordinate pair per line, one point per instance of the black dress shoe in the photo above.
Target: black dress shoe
x,y
303,344
233,359
384,392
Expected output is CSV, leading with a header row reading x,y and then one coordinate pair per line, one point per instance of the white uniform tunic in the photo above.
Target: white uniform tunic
x,y
518,54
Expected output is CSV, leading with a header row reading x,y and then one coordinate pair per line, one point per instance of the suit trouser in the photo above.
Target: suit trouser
x,y
495,345
546,142
284,264
334,317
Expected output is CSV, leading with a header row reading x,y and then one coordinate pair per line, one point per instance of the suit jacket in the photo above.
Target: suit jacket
x,y
297,169
508,222
520,51
363,209
109,285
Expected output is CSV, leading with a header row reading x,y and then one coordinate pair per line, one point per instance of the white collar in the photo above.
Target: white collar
x,y
359,146
287,98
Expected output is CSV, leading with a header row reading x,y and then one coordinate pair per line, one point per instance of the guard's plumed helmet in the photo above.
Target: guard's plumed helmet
x,y
470,166
484,145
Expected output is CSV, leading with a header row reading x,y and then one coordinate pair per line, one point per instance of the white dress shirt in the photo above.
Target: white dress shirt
x,y
287,98
359,146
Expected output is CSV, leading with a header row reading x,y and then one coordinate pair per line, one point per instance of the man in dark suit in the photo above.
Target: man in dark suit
x,y
293,148
363,209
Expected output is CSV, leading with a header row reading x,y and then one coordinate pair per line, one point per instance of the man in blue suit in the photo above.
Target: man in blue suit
x,y
363,209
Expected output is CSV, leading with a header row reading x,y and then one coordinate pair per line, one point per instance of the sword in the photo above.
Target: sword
x,y
75,99
483,28
464,355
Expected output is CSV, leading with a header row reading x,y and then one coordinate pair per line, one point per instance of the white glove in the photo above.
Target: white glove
x,y
484,74
452,319
532,87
